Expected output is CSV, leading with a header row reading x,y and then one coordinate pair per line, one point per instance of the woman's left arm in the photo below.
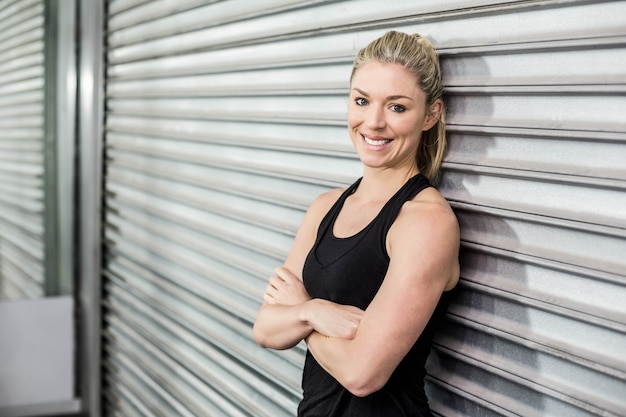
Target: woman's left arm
x,y
423,246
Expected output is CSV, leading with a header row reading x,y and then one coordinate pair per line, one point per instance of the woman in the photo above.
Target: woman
x,y
371,266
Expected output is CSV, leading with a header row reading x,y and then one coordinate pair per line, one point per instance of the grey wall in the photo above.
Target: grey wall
x,y
37,356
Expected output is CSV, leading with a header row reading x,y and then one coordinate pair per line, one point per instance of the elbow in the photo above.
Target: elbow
x,y
363,391
260,332
363,376
265,340
364,385
260,337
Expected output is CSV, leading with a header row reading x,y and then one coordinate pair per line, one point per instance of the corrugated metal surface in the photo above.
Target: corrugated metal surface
x,y
21,149
225,119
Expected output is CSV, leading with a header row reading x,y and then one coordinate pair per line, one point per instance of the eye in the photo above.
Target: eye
x,y
360,101
397,108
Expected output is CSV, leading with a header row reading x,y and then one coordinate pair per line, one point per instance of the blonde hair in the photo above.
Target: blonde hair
x,y
417,55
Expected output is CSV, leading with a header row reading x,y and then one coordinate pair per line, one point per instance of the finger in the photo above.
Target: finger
x,y
268,299
284,274
268,295
275,281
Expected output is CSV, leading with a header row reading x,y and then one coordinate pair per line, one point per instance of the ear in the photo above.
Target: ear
x,y
433,114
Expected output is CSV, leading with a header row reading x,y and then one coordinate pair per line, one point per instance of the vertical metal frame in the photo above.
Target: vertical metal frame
x,y
51,154
59,145
90,142
66,84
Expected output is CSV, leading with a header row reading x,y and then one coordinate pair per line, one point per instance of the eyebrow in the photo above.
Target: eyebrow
x,y
394,97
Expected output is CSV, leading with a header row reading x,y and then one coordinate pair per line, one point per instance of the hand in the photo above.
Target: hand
x,y
332,319
285,288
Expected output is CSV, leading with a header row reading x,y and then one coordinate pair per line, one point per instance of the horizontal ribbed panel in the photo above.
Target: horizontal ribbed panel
x,y
224,121
21,149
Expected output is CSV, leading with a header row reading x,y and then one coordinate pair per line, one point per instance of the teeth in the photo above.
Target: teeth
x,y
376,142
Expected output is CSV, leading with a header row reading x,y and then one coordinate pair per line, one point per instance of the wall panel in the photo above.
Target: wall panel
x,y
22,255
226,118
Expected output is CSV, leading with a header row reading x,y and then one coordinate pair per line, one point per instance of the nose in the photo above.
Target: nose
x,y
375,118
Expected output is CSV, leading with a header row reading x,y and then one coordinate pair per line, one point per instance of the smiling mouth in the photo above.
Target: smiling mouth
x,y
375,142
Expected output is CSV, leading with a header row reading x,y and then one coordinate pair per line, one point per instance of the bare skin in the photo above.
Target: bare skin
x,y
386,119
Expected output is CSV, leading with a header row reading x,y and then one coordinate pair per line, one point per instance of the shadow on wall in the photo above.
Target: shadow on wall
x,y
475,358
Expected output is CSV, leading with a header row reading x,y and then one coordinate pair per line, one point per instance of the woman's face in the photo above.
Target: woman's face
x,y
386,115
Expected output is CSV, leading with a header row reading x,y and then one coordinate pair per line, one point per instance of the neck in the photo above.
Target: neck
x,y
380,184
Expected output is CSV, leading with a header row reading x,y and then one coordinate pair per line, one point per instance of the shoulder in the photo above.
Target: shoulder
x,y
428,216
318,209
426,237
320,206
427,206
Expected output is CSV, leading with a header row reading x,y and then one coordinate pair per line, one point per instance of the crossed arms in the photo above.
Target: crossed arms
x,y
361,349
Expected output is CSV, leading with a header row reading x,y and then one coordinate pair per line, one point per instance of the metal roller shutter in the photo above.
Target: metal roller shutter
x,y
226,118
22,252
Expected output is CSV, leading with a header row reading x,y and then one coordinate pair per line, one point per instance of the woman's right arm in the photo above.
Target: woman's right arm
x,y
279,326
288,314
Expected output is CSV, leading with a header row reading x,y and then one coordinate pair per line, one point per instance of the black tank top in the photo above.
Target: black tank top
x,y
350,271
